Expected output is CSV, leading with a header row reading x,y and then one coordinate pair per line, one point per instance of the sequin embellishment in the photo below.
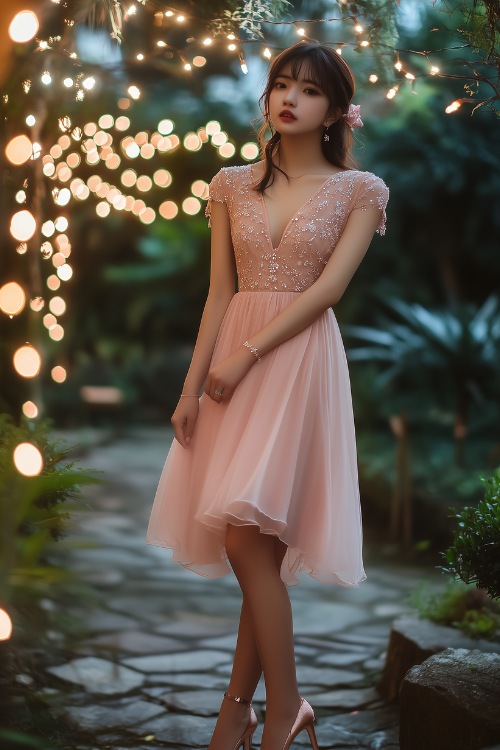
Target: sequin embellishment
x,y
310,236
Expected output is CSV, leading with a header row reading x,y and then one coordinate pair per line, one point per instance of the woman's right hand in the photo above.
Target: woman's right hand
x,y
184,419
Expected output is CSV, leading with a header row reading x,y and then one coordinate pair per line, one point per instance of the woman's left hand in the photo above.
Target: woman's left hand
x,y
224,377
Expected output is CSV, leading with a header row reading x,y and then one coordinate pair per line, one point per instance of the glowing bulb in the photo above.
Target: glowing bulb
x,y
410,76
46,78
140,56
365,43
434,70
231,47
301,32
358,28
391,93
28,459
398,65
267,53
169,13
12,298
23,26
231,37
187,66
23,226
19,149
207,41
5,625
68,82
161,43
31,120
373,78
30,409
134,92
180,19
88,83
453,107
27,361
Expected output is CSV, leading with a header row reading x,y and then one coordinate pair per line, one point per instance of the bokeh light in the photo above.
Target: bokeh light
x,y
165,127
30,410
19,149
12,298
23,26
5,625
191,206
58,374
168,210
249,151
28,459
27,361
23,225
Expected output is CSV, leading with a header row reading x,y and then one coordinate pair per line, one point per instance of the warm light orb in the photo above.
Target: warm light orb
x,y
37,304
227,150
249,151
12,298
191,206
169,210
61,223
122,123
23,26
57,305
58,374
453,107
23,226
5,625
373,78
30,410
56,332
48,228
63,197
65,272
53,282
19,149
20,196
134,92
27,361
162,178
213,127
147,216
165,127
199,61
28,459
198,188
192,142
144,183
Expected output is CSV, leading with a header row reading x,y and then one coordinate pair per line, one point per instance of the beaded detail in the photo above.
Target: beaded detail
x,y
310,236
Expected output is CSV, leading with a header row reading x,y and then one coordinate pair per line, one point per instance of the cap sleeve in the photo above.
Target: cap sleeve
x,y
373,192
217,191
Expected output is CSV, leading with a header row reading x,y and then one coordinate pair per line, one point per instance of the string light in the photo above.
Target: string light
x,y
453,106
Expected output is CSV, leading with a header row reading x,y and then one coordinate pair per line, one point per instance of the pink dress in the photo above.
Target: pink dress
x,y
281,453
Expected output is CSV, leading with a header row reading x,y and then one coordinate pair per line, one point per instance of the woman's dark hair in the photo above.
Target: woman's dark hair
x,y
333,76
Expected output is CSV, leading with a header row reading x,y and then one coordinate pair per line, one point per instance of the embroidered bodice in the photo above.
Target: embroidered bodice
x,y
310,236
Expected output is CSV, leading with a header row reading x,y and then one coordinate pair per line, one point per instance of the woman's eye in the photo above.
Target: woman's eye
x,y
312,91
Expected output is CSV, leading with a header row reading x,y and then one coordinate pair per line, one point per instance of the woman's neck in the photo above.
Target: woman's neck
x,y
297,156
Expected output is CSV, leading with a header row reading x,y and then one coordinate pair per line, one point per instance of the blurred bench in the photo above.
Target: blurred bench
x,y
102,401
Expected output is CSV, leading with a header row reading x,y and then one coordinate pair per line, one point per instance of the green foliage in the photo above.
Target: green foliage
x,y
459,606
34,512
474,555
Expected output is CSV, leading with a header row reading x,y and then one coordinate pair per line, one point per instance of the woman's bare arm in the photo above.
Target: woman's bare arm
x,y
220,293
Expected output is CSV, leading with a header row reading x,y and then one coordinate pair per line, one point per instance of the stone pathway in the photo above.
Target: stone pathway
x,y
156,655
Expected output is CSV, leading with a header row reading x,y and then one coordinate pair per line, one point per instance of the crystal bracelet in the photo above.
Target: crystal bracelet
x,y
253,349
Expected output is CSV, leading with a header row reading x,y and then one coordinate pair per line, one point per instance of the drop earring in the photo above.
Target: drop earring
x,y
326,137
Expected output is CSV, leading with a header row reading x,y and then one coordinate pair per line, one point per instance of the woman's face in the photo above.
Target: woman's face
x,y
306,103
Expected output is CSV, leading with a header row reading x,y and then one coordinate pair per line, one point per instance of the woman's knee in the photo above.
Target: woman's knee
x,y
246,546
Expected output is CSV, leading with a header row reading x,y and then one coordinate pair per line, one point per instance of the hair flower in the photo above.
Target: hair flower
x,y
352,116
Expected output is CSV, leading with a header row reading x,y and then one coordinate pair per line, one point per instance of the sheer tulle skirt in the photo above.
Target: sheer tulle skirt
x,y
281,454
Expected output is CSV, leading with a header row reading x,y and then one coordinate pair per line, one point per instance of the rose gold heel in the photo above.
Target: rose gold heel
x,y
245,741
304,720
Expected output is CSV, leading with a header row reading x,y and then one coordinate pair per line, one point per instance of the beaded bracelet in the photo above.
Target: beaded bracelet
x,y
253,349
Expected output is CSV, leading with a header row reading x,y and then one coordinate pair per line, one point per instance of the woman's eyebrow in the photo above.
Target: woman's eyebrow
x,y
304,80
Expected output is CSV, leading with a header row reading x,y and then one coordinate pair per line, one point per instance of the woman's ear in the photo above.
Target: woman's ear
x,y
333,116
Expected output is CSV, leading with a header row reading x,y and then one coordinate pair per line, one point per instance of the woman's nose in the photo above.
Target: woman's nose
x,y
290,97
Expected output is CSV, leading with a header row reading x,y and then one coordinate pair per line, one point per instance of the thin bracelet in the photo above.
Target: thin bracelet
x,y
189,395
253,349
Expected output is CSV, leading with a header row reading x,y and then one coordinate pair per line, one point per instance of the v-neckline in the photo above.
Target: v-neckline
x,y
297,212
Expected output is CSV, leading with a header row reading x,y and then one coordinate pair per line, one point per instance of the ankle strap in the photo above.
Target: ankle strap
x,y
237,699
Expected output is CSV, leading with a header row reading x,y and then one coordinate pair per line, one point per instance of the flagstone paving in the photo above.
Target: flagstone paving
x,y
151,667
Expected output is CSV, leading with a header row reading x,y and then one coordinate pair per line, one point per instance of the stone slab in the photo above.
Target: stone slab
x,y
186,661
98,675
97,717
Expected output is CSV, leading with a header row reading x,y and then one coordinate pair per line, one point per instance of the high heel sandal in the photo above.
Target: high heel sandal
x,y
304,720
246,740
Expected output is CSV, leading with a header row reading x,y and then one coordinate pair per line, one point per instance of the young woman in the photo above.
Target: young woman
x,y
262,474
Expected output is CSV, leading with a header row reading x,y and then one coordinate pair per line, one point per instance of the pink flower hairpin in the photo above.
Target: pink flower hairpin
x,y
352,116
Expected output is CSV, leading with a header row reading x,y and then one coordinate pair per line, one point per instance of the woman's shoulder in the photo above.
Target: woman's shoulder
x,y
368,179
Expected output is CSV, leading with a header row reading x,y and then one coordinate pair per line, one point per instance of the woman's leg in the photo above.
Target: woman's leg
x,y
253,557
